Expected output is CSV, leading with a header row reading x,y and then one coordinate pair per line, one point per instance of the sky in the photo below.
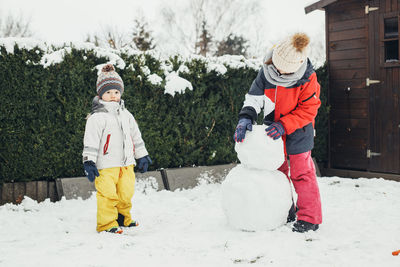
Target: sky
x,y
72,20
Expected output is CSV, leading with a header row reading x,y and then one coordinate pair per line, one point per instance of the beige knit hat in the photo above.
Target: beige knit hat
x,y
290,54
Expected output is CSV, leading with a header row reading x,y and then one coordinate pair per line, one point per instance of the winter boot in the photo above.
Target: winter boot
x,y
292,214
121,219
114,230
133,224
303,226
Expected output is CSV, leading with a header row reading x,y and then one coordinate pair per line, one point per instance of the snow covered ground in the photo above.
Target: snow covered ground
x,y
188,228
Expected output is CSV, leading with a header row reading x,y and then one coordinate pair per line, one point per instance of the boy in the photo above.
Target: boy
x,y
112,141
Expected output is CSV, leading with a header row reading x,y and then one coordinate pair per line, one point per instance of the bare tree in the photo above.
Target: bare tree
x,y
222,18
203,45
232,45
109,37
141,36
15,26
94,39
114,37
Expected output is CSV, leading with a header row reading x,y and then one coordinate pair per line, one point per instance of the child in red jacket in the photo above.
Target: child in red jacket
x,y
287,88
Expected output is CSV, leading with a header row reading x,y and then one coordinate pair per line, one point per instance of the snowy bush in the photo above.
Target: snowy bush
x,y
47,92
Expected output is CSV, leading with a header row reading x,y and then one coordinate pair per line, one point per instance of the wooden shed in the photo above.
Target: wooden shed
x,y
363,58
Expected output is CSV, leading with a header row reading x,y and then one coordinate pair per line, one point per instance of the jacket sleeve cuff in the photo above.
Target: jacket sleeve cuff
x,y
140,153
249,113
89,158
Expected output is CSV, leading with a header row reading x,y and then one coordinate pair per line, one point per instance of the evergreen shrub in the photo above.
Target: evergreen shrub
x,y
43,111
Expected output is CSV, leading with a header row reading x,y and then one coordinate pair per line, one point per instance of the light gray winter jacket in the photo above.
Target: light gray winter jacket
x,y
112,136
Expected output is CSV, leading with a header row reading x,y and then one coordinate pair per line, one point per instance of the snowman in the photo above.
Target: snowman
x,y
255,195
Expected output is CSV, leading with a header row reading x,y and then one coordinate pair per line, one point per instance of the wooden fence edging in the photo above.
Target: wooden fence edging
x,y
36,190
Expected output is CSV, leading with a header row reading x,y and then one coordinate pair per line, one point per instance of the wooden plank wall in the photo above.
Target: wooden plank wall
x,y
37,190
348,96
386,105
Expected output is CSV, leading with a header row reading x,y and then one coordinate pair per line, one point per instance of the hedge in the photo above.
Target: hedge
x,y
43,111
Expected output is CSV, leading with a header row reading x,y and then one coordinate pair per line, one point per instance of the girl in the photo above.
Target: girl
x,y
287,88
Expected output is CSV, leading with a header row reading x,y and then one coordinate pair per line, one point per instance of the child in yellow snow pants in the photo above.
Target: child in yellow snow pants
x,y
115,188
112,146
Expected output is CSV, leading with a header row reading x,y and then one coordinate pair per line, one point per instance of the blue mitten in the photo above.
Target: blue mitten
x,y
275,130
90,170
143,163
240,132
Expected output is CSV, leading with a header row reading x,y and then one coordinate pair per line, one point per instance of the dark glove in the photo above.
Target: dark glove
x,y
243,125
90,170
143,163
275,130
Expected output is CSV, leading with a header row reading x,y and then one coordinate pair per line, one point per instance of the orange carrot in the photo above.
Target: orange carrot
x,y
396,253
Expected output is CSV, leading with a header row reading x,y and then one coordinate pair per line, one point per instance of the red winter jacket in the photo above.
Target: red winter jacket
x,y
295,107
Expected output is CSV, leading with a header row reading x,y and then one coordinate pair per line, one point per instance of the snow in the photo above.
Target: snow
x,y
176,84
255,199
183,69
255,195
259,151
154,79
26,43
188,228
146,71
55,57
218,68
54,54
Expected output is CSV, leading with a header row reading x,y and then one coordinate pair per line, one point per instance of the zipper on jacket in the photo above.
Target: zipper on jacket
x,y
309,97
105,148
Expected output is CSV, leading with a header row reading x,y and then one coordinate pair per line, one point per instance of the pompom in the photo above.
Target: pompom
x,y
300,41
108,68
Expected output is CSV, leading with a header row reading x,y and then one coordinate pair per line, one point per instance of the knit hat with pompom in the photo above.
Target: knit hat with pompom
x,y
109,79
290,54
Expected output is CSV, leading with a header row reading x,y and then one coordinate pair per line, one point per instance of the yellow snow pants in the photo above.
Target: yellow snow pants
x,y
115,187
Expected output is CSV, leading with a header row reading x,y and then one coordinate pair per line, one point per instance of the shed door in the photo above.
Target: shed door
x,y
384,77
348,95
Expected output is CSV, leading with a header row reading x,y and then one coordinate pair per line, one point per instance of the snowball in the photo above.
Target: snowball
x,y
256,199
259,151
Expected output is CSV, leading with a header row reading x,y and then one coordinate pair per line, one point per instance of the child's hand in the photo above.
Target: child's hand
x,y
240,132
275,130
90,170
143,163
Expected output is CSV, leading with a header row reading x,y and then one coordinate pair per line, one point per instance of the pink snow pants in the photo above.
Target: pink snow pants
x,y
304,179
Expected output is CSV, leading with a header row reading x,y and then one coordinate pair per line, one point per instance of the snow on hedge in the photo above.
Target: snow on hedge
x,y
54,54
176,84
25,43
154,79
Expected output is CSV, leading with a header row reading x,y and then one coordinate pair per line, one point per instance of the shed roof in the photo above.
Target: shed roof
x,y
318,5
